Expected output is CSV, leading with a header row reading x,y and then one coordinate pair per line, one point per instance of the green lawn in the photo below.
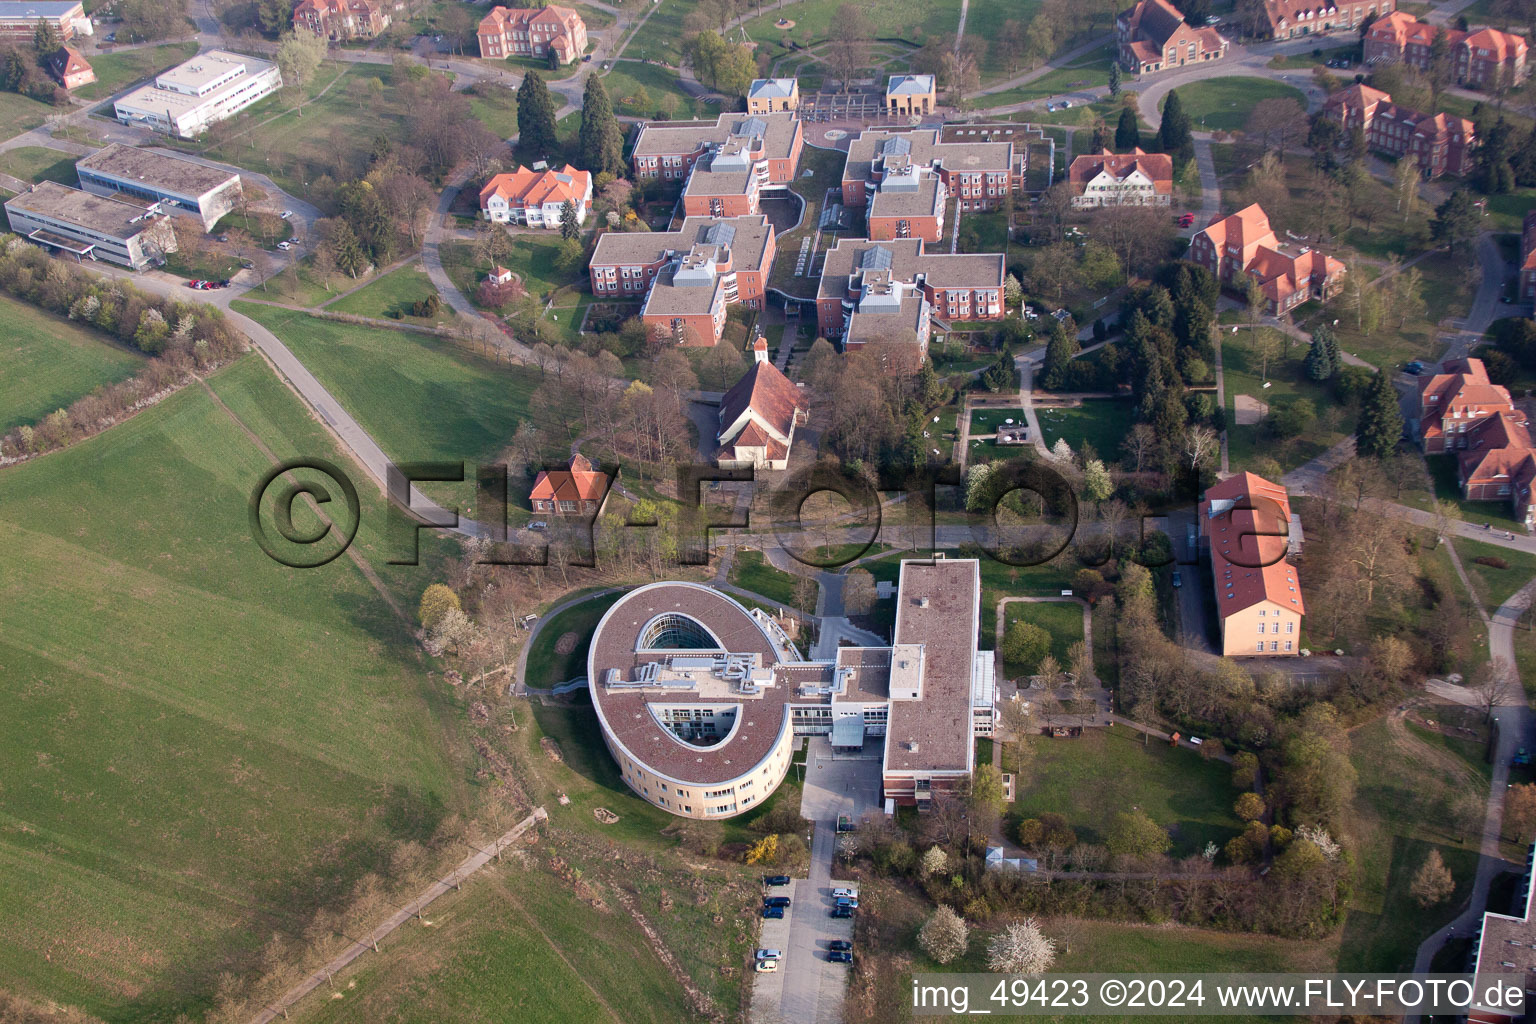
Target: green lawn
x,y
1495,586
986,421
1243,374
115,71
50,362
1090,72
395,292
37,163
499,117
1307,61
1062,619
297,286
18,114
546,665
1223,104
751,571
1397,821
637,89
1102,422
210,264
532,257
1105,771
894,19
201,747
1442,470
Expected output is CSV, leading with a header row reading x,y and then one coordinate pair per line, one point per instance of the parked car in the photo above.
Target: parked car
x,y
538,524
844,894
286,214
838,956
775,901
223,238
773,913
842,911
776,880
1415,368
767,966
851,902
840,946
1178,579
111,37
285,246
1185,220
769,954
195,284
586,58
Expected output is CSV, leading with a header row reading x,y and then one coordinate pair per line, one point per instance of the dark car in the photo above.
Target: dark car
x,y
776,880
773,913
840,946
775,901
1178,579
840,957
842,911
1414,368
586,58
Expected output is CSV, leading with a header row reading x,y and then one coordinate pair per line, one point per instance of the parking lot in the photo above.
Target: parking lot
x,y
807,986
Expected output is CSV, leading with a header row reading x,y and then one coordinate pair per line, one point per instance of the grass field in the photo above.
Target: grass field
x,y
1101,422
986,421
1244,375
201,746
1223,104
18,114
49,362
638,89
1062,619
115,71
1105,771
546,665
532,257
420,397
395,292
751,571
1402,787
1494,585
37,163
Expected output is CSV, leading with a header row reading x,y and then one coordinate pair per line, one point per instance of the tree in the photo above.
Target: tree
x,y
933,861
569,257
1245,769
1114,90
436,601
1201,445
298,58
1249,807
1381,421
1127,132
570,227
1135,834
1021,948
537,138
1405,185
764,851
849,50
1173,134
1319,362
1494,683
1432,883
960,76
1277,123
1097,485
1024,644
1456,221
945,935
986,797
859,592
602,142
1520,811
46,39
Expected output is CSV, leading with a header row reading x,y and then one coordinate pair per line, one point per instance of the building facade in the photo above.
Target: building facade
x,y
668,149
89,226
1136,178
536,198
908,202
1439,143
699,700
533,32
1153,36
773,95
978,174
341,19
625,263
1459,411
1292,19
1501,958
19,19
1245,246
1245,523
175,183
208,88
1484,59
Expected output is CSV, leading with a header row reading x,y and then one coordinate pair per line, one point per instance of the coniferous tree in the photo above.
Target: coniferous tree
x,y
1114,78
570,228
1319,363
537,139
1127,134
1173,135
1381,421
602,143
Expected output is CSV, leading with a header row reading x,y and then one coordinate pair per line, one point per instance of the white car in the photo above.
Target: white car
x,y
845,894
285,246
769,954
767,966
286,214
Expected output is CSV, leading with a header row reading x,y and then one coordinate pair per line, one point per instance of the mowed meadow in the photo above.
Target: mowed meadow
x,y
201,748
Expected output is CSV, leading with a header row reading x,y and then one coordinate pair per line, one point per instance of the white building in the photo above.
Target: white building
x,y
174,182
189,97
536,198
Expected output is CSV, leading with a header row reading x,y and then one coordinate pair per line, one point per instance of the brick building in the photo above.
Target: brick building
x,y
578,490
1481,60
624,263
977,174
1245,244
70,68
727,183
19,19
1441,143
669,149
341,19
888,292
1292,19
909,203
1136,178
533,32
1153,36
1460,411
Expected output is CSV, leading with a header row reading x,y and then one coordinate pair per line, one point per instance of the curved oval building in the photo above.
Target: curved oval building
x,y
699,699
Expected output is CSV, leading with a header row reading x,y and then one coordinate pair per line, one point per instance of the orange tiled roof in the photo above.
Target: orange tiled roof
x,y
1248,545
526,187
1156,166
1501,46
578,483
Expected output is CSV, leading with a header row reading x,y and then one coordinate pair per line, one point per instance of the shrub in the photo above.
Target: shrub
x,y
1492,561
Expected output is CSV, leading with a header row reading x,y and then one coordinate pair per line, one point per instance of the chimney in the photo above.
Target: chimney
x,y
760,350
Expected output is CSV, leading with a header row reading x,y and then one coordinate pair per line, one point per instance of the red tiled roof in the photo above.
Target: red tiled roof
x,y
526,187
1501,46
578,483
1156,166
1248,544
770,395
